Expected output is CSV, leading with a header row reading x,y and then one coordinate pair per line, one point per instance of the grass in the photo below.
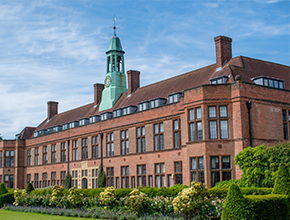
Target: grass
x,y
12,215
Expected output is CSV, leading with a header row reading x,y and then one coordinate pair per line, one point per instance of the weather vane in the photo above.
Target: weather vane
x,y
115,27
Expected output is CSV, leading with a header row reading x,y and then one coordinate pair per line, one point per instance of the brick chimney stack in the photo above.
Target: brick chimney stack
x,y
223,48
133,80
52,109
98,89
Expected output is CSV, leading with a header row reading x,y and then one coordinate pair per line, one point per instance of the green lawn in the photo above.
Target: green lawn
x,y
12,215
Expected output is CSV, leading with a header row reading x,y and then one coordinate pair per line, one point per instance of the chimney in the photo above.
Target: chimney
x,y
98,89
133,80
52,109
223,49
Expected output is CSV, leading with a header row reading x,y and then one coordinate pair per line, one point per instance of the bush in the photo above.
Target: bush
x,y
108,197
222,192
122,192
282,182
137,202
67,181
3,189
227,183
7,198
75,197
42,191
102,179
29,187
19,196
57,194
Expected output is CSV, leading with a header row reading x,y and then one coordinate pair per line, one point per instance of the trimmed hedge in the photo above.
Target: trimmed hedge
x,y
222,193
252,207
3,189
7,198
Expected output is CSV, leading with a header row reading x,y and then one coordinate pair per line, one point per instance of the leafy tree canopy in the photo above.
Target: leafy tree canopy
x,y
260,164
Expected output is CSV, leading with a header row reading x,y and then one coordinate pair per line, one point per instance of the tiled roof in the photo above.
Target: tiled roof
x,y
27,132
248,68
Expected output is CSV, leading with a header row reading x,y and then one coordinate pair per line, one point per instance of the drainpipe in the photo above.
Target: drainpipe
x,y
101,134
249,106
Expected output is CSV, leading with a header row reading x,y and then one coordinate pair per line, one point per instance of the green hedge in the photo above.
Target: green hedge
x,y
7,198
252,207
222,193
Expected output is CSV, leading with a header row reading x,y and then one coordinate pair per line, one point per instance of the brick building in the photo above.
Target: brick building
x,y
189,127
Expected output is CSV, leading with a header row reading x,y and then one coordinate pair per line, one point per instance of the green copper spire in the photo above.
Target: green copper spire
x,y
115,79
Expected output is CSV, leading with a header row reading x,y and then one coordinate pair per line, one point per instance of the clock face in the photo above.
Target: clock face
x,y
108,81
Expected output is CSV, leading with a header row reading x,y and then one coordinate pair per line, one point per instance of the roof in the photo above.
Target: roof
x,y
115,45
247,68
27,132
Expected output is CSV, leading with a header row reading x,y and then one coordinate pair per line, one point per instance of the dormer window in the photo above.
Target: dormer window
x,y
129,110
269,82
42,132
175,97
49,130
106,115
35,134
142,106
95,118
117,113
219,80
57,128
83,121
73,124
154,103
65,126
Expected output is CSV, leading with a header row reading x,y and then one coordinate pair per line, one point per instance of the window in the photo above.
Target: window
x,y
117,182
53,153
1,158
174,97
95,175
84,148
44,179
53,178
197,169
125,176
178,172
141,143
141,175
286,123
124,142
9,158
28,178
36,156
158,136
8,181
74,178
220,169
95,146
142,106
75,149
150,181
63,152
195,124
44,155
110,144
117,113
214,121
62,177
159,174
157,102
106,115
36,179
219,80
110,176
176,133
269,82
170,178
29,157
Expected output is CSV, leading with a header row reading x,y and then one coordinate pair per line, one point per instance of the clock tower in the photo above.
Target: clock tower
x,y
115,79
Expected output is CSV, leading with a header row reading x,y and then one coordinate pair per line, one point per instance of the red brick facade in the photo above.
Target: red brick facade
x,y
202,147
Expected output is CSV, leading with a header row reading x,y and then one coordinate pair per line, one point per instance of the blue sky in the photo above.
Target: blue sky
x,y
55,50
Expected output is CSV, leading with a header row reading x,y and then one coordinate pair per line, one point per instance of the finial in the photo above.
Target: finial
x,y
115,27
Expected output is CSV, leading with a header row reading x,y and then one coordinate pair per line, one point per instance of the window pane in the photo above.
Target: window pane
x,y
175,125
143,169
212,112
213,130
201,177
281,85
265,82
198,113
227,175
143,131
122,134
194,177
157,181
276,84
223,112
12,153
162,180
191,132
177,167
226,162
139,145
191,114
161,127
143,145
138,169
138,132
156,129
259,81
224,129
215,163
162,168
284,116
199,130
271,83
161,142
156,143
193,163
215,177
176,139
157,168
200,163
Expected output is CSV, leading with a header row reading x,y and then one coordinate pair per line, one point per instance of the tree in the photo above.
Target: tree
x,y
3,189
282,183
260,164
102,179
29,187
67,181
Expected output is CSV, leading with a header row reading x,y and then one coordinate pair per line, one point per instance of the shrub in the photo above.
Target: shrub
x,y
57,194
102,179
282,182
137,202
67,181
7,198
108,197
19,196
227,183
3,189
29,187
122,192
74,197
